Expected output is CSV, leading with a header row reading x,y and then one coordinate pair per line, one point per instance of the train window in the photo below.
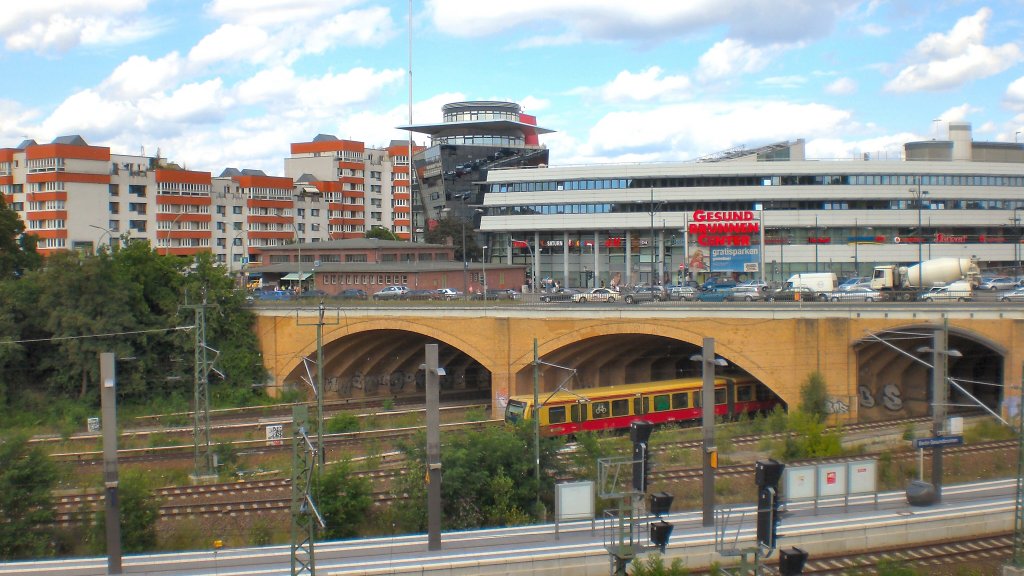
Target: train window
x,y
680,400
696,399
661,402
720,396
599,409
620,407
578,413
744,394
556,414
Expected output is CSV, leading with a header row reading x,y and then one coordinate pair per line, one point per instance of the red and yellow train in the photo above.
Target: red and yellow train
x,y
664,401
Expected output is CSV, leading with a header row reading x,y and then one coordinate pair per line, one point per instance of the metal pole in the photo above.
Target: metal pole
x,y
856,248
433,450
320,389
817,233
653,243
939,389
465,258
108,402
536,423
708,422
484,264
1018,528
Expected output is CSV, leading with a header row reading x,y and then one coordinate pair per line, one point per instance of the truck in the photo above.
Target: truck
x,y
821,283
902,282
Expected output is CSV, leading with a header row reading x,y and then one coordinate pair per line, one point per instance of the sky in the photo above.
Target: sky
x,y
213,84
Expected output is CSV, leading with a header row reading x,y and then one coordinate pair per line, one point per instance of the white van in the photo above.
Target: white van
x,y
820,282
960,291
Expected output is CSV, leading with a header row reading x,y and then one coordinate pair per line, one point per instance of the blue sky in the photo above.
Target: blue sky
x,y
231,83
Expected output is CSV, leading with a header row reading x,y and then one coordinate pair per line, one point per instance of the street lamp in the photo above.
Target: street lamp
x,y
231,252
483,253
465,255
940,392
655,261
110,236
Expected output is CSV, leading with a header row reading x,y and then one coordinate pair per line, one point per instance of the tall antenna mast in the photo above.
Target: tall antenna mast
x,y
411,175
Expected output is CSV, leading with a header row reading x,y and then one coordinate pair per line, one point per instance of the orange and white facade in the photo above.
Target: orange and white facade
x,y
73,196
365,188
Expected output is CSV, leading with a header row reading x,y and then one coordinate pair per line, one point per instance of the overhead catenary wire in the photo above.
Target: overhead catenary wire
x,y
104,335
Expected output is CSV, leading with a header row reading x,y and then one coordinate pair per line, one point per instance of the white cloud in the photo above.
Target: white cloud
x,y
784,81
730,57
87,112
872,29
194,103
646,86
231,42
533,104
690,130
138,76
1015,94
62,25
950,60
841,86
564,21
889,146
275,13
958,113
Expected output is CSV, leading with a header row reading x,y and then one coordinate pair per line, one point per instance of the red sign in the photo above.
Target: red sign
x,y
723,228
819,239
949,239
830,478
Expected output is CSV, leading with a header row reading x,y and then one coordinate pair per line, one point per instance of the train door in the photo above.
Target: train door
x,y
641,405
578,413
730,393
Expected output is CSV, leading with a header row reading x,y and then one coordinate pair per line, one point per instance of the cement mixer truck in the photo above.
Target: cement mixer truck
x,y
903,282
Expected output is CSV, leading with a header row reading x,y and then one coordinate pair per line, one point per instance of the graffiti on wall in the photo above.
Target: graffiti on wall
x,y
891,397
836,406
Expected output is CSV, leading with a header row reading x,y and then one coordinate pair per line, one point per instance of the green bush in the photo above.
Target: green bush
x,y
654,565
342,422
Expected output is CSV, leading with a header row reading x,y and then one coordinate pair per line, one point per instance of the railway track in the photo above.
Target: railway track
x,y
993,550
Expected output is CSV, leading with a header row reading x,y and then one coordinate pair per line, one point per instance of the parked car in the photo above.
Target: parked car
x,y
682,292
560,295
353,294
718,284
596,295
645,294
390,292
997,283
1015,295
759,284
792,293
855,282
419,295
855,294
312,294
745,293
448,294
714,295
497,294
272,295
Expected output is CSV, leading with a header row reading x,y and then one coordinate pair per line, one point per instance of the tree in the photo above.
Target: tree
x,y
27,479
139,511
489,479
814,396
343,500
17,249
381,233
451,229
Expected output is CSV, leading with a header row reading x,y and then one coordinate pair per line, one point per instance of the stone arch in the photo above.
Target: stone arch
x,y
382,357
521,366
893,384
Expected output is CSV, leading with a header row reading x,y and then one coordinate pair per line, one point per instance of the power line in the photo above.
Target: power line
x,y
106,335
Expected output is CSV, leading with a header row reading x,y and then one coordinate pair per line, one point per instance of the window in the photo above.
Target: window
x,y
314,212
599,409
236,209
620,407
661,402
744,394
680,400
222,209
719,396
556,414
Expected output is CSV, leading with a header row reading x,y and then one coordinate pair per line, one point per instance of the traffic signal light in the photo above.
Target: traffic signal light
x,y
791,561
639,434
661,531
767,474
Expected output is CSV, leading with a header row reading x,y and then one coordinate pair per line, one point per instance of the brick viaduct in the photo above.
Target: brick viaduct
x,y
865,353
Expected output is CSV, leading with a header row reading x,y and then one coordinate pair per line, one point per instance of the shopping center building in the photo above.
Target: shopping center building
x,y
763,213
